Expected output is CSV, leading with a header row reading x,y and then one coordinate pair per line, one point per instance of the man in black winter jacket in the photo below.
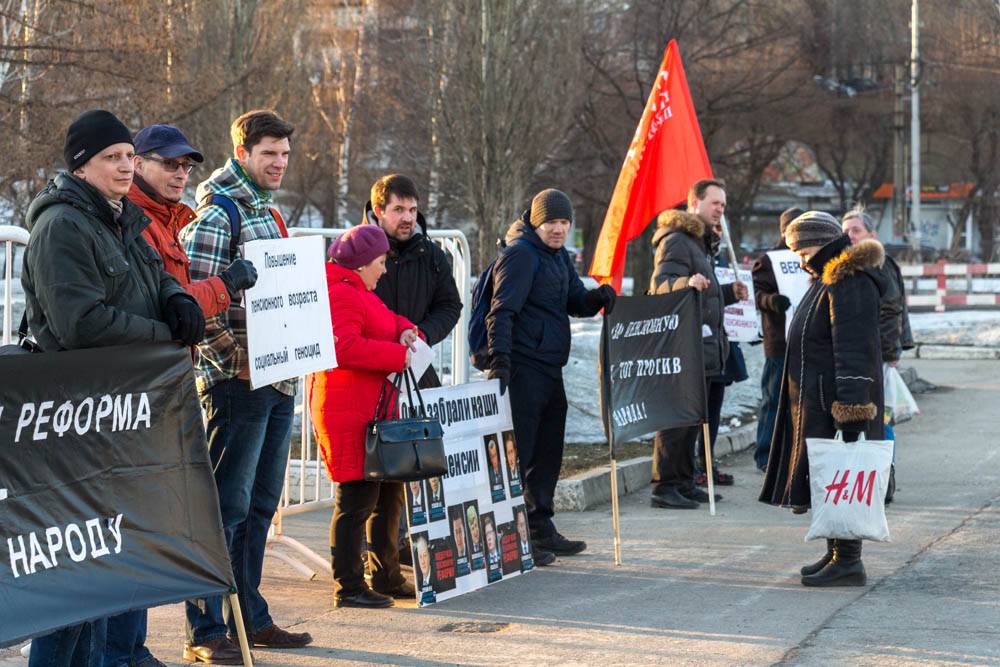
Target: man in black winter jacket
x,y
91,280
418,283
772,307
685,243
535,290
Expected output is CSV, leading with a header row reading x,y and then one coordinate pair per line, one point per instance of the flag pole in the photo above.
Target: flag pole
x,y
609,429
709,474
616,525
234,601
733,263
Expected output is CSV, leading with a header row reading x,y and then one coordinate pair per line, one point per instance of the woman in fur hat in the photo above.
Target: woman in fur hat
x,y
833,374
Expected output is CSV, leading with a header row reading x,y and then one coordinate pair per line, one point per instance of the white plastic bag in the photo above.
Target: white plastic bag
x,y
848,481
899,402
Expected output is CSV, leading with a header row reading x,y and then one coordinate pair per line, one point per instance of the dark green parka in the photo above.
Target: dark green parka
x,y
89,280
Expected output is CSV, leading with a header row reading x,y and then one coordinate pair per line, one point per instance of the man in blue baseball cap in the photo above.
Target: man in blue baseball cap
x,y
163,162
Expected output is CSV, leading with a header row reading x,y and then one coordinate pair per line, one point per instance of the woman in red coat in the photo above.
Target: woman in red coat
x,y
372,341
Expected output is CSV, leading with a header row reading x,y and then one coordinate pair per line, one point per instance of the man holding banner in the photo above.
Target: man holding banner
x,y
683,259
248,429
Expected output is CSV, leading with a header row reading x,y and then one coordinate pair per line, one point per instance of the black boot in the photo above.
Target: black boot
x,y
844,569
890,491
821,563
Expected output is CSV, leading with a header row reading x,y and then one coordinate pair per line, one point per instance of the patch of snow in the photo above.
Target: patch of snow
x,y
960,327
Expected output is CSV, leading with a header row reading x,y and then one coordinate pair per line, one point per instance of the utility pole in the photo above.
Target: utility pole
x,y
915,129
899,151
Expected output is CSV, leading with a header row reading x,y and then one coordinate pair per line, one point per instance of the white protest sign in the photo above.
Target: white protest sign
x,y
289,332
792,279
469,528
741,321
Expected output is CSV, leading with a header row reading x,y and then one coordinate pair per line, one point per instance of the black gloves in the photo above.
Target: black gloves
x,y
602,297
239,276
185,319
500,370
781,302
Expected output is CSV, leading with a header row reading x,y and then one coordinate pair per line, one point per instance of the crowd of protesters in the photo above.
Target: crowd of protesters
x,y
115,257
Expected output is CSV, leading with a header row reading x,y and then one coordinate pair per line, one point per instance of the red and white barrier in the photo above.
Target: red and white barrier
x,y
942,286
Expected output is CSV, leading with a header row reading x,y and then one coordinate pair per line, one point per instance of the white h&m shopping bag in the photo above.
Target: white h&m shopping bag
x,y
848,481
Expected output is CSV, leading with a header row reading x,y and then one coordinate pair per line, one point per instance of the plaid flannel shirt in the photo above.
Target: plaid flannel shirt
x,y
223,352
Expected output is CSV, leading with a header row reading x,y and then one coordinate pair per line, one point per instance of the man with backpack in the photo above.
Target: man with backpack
x,y
418,283
535,288
248,430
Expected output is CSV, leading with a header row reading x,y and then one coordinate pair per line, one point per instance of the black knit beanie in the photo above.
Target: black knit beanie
x,y
787,216
90,133
550,204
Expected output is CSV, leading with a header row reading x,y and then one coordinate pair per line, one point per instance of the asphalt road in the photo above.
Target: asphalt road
x,y
696,589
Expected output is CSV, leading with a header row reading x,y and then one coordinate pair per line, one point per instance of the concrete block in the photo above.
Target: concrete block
x,y
958,352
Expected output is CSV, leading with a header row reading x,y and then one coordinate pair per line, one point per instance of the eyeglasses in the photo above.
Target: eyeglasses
x,y
170,164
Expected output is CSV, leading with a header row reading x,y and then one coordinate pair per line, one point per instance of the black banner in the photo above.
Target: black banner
x,y
651,365
107,500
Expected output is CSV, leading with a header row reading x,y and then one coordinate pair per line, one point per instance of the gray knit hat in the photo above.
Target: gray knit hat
x,y
812,228
550,204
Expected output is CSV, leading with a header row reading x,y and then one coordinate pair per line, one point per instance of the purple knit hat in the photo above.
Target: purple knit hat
x,y
358,246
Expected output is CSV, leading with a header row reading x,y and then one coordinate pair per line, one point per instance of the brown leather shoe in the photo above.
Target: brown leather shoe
x,y
220,651
274,637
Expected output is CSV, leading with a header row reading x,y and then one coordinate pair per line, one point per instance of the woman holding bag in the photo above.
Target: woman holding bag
x,y
372,342
832,377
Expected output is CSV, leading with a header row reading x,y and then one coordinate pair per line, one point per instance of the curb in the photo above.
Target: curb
x,y
952,352
593,487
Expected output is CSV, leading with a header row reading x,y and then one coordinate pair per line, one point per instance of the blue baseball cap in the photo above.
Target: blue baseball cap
x,y
167,141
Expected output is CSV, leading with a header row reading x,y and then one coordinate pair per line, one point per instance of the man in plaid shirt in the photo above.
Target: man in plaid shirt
x,y
248,430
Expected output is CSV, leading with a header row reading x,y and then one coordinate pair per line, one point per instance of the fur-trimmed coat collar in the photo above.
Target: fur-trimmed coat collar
x,y
838,259
678,221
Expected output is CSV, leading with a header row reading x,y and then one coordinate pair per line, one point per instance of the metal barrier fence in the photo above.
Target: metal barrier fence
x,y
10,235
941,286
307,487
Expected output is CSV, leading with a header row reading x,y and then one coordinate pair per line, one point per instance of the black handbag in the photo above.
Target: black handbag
x,y
403,450
24,344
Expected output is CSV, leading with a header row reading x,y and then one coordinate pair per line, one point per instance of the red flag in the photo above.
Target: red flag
x,y
666,157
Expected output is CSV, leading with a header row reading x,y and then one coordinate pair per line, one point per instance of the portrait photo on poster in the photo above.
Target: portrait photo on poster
x,y
477,556
523,537
497,491
460,538
513,464
510,552
494,570
423,569
443,564
435,498
416,502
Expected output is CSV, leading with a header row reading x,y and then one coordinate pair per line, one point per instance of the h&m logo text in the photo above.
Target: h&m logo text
x,y
860,491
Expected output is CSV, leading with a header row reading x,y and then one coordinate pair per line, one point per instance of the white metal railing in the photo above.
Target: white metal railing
x,y
307,486
9,235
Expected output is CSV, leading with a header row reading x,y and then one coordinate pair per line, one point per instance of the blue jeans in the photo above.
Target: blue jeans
x,y
770,390
126,639
76,646
248,437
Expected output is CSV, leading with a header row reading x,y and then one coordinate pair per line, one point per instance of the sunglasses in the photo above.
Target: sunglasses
x,y
170,164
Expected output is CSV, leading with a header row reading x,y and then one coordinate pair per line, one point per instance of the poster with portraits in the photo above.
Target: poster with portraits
x,y
469,528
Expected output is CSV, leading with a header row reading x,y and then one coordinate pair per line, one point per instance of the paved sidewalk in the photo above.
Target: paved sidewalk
x,y
708,590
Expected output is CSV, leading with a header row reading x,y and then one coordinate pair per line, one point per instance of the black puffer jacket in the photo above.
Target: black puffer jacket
x,y
418,284
681,253
91,281
894,316
833,369
772,315
535,290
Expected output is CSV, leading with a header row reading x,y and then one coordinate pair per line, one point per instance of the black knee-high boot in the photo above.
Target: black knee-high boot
x,y
844,569
821,563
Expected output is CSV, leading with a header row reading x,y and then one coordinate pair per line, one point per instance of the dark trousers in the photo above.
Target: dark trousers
x,y
770,390
538,407
248,438
673,458
126,643
76,646
716,394
361,509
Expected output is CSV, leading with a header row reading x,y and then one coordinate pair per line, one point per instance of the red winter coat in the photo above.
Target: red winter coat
x,y
342,401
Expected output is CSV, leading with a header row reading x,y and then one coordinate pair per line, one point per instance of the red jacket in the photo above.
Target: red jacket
x,y
342,401
167,222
